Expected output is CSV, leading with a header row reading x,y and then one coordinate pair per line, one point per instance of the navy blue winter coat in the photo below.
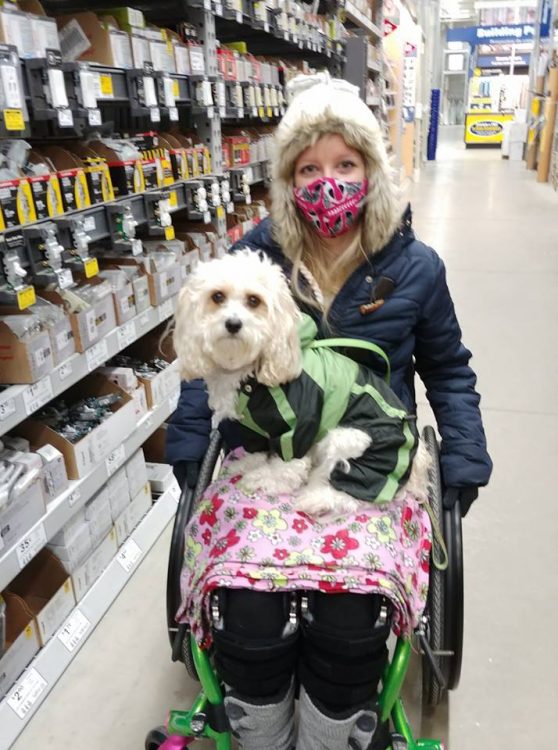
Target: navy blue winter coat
x,y
417,328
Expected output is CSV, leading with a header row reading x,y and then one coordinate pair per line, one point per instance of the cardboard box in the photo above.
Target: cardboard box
x,y
118,493
98,516
88,326
121,528
62,340
553,84
16,29
54,475
73,551
22,514
83,36
545,153
86,575
141,293
24,361
83,457
46,592
22,640
138,507
160,477
128,19
136,472
515,150
68,532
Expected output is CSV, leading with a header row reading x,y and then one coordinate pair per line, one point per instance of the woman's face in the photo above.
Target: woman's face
x,y
329,157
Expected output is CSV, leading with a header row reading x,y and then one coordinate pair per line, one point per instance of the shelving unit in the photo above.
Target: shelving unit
x,y
34,685
208,104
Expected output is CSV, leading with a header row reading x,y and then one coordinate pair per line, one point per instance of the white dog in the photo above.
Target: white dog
x,y
237,327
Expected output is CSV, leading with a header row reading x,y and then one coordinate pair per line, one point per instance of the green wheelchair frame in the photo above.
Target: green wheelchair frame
x,y
440,633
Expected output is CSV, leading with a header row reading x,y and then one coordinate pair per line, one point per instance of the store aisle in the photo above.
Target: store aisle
x,y
497,231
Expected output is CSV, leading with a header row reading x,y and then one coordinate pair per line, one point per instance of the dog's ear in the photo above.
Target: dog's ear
x,y
192,362
281,358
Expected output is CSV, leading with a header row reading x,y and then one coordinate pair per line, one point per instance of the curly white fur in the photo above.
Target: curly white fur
x,y
235,319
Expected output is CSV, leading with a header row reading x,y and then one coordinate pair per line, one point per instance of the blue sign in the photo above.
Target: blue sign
x,y
496,34
502,61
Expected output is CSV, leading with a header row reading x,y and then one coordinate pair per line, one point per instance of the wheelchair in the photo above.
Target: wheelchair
x,y
439,635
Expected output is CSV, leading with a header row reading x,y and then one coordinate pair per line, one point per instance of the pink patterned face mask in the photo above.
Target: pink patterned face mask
x,y
331,206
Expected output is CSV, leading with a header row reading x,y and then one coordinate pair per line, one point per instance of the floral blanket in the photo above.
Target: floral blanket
x,y
236,540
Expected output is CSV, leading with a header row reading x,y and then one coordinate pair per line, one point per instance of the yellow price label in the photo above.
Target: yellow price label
x,y
220,212
175,89
173,199
105,82
28,632
269,112
91,266
26,297
261,112
169,233
13,119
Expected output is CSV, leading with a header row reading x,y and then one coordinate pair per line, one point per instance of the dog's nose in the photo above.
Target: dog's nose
x,y
233,325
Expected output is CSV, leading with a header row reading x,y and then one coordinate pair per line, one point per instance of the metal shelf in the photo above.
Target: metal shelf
x,y
18,402
62,508
52,660
359,19
374,65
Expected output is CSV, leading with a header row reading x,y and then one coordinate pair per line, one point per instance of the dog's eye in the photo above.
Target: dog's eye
x,y
253,300
218,298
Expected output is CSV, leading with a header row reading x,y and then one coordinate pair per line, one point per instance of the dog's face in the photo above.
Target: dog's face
x,y
237,313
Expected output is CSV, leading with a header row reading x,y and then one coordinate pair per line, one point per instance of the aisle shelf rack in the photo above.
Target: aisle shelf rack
x,y
54,658
358,19
62,508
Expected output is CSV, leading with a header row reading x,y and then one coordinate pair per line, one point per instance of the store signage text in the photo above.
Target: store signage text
x,y
520,32
486,128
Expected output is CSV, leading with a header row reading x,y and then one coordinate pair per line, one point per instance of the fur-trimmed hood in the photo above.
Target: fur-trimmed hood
x,y
323,105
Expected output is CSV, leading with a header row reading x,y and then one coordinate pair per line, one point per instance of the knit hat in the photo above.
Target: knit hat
x,y
321,105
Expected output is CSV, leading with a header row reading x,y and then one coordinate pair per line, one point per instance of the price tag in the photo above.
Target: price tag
x,y
26,692
30,545
126,334
64,371
269,112
73,497
254,111
38,394
89,224
206,217
26,297
65,118
73,630
241,112
248,200
91,266
266,27
220,212
115,459
155,114
129,554
276,111
137,247
286,36
97,354
166,310
261,112
94,118
173,199
65,278
105,86
148,423
13,119
210,113
230,207
218,9
169,233
144,320
173,114
239,16
7,408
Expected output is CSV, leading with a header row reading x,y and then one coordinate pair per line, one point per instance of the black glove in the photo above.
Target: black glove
x,y
465,495
187,473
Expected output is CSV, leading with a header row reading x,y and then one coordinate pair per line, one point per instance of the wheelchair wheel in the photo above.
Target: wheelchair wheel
x,y
444,609
178,634
155,738
432,691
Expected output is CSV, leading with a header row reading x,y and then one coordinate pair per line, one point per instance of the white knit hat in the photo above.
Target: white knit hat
x,y
321,105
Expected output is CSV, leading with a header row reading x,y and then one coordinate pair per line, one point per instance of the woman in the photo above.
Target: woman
x,y
335,214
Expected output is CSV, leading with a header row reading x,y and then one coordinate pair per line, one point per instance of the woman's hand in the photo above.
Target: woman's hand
x,y
465,495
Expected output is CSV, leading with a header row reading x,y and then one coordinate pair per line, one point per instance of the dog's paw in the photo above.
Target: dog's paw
x,y
278,477
321,501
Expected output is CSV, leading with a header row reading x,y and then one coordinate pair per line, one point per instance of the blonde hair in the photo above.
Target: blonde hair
x,y
312,263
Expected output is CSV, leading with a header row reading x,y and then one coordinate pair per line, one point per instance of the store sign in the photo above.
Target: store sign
x,y
502,61
496,34
485,128
409,82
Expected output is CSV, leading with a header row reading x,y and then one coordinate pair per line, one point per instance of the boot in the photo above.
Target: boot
x,y
319,730
262,725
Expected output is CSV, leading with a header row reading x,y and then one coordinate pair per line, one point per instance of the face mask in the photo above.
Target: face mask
x,y
331,206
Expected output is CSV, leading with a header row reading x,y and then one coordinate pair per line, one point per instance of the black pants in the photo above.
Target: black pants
x,y
338,652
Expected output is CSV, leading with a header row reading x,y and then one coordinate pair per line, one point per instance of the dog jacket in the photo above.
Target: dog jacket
x,y
332,391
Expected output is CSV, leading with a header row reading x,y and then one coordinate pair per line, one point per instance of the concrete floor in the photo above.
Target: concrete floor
x,y
497,230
